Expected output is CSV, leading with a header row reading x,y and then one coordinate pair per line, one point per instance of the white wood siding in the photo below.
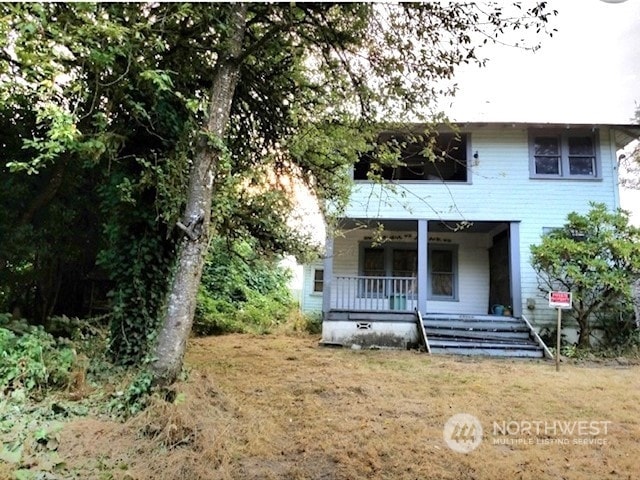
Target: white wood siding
x,y
311,301
500,187
500,190
473,275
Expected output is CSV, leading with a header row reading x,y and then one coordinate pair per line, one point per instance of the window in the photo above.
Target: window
x,y
582,156
547,155
373,264
401,260
318,280
563,154
391,260
442,158
405,263
443,272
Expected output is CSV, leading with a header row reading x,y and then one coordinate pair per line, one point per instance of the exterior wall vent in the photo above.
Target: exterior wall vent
x,y
363,325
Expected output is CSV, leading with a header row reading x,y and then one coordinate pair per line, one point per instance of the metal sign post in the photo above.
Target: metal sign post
x,y
558,340
559,300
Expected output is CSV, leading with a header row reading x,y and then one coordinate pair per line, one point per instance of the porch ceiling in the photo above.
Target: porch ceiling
x,y
435,226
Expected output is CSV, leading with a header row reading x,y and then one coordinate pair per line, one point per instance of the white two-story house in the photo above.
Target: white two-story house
x,y
450,237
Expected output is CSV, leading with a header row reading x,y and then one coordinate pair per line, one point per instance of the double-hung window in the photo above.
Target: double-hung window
x,y
318,280
568,154
443,272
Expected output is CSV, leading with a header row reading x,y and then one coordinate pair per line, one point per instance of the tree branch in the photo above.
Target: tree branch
x,y
45,196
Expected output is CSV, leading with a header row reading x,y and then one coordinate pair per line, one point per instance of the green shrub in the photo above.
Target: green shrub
x,y
595,256
313,323
258,314
304,323
214,316
264,311
242,291
32,359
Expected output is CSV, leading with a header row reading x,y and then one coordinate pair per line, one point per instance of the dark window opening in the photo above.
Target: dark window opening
x,y
442,158
318,280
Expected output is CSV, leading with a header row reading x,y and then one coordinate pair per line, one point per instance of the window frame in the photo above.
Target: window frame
x,y
563,136
315,281
388,249
453,248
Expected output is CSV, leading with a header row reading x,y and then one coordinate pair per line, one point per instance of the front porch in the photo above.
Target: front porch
x,y
375,283
425,265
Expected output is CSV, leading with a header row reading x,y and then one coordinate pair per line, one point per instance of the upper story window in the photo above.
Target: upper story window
x,y
564,154
404,157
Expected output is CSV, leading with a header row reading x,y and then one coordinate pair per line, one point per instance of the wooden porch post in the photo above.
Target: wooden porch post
x,y
423,240
514,268
327,276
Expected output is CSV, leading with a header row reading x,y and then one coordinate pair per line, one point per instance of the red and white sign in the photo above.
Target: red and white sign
x,y
560,299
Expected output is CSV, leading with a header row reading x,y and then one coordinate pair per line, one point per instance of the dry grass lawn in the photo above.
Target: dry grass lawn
x,y
281,407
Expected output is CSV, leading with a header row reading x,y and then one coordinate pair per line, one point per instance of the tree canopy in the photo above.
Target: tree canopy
x,y
133,133
596,256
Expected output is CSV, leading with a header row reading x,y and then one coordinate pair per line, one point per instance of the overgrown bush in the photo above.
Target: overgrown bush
x,y
242,291
31,360
305,323
214,316
617,325
596,256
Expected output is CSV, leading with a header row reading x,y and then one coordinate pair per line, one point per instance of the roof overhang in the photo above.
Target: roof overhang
x,y
623,134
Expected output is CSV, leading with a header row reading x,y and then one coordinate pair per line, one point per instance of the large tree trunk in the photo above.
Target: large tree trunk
x,y
181,303
584,336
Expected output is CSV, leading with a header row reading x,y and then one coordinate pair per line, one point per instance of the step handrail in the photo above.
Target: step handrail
x,y
422,332
547,352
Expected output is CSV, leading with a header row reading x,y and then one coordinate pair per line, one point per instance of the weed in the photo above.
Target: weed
x,y
135,398
32,360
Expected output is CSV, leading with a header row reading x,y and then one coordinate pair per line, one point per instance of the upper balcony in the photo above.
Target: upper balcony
x,y
411,157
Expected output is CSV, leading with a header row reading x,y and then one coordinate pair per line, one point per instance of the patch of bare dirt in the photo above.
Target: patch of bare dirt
x,y
279,407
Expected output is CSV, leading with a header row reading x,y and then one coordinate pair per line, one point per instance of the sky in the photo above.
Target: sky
x,y
588,72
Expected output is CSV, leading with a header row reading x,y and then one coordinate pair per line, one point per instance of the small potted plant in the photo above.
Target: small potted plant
x,y
507,311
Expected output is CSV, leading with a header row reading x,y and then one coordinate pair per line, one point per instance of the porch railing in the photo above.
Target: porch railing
x,y
375,293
